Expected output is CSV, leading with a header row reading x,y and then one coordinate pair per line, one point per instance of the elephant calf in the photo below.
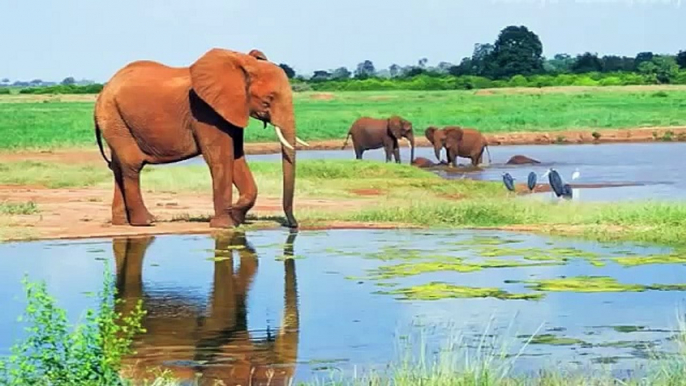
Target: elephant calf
x,y
373,133
521,160
458,142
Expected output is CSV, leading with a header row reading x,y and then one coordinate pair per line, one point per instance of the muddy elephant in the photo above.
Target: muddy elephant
x,y
521,160
373,133
422,162
458,142
189,337
150,113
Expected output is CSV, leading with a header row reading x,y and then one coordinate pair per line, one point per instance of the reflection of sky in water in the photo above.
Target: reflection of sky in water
x,y
659,165
342,318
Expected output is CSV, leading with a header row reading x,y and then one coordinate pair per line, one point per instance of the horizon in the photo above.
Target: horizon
x,y
93,48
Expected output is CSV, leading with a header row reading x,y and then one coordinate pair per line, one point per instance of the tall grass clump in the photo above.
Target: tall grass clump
x,y
54,354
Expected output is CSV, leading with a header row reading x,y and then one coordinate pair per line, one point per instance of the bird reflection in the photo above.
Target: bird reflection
x,y
214,343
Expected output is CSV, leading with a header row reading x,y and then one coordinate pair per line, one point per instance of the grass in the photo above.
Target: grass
x,y
406,195
18,208
55,123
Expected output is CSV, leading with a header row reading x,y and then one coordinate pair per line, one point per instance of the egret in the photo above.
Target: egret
x,y
576,174
555,182
509,182
531,182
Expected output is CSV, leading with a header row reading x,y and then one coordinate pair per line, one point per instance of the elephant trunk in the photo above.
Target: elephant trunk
x,y
437,150
410,137
288,162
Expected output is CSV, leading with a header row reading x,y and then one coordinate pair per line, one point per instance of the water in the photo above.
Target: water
x,y
211,314
655,167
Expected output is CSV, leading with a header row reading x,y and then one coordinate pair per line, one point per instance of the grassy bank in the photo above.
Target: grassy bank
x,y
32,124
389,193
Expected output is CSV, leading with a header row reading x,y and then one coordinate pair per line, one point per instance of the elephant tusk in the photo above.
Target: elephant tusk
x,y
300,141
285,143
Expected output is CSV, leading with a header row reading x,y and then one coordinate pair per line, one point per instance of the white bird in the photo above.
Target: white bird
x,y
576,174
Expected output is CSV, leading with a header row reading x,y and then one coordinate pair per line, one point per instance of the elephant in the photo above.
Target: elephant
x,y
373,133
189,339
151,113
521,160
458,142
422,162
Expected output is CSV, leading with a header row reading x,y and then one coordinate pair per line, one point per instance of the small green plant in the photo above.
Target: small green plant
x,y
660,94
681,137
90,354
560,139
596,135
13,208
667,136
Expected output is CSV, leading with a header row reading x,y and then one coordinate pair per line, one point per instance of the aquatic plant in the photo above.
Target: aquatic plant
x,y
90,354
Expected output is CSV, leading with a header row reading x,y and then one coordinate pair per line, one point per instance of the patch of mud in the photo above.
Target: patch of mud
x,y
367,192
322,96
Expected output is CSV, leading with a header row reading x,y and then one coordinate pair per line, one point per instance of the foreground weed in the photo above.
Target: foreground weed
x,y
90,354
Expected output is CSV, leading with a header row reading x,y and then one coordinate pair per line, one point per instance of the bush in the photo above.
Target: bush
x,y
91,354
518,81
611,81
4,91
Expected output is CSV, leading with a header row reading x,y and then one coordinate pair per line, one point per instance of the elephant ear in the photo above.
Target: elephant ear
x,y
220,79
395,126
455,133
429,133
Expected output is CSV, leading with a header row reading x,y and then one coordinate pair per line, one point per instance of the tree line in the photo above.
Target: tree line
x,y
514,59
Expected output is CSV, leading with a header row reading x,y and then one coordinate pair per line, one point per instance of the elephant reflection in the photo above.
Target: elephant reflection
x,y
214,343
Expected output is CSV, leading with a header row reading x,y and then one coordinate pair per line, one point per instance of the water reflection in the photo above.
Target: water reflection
x,y
212,341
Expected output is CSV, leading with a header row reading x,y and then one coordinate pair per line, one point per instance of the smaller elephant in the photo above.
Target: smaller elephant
x,y
373,133
521,160
458,142
422,162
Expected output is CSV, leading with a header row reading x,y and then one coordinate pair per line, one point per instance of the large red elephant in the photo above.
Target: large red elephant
x,y
150,113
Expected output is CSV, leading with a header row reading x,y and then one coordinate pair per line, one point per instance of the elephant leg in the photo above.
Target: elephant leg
x,y
127,177
247,189
119,216
217,150
358,152
396,153
388,148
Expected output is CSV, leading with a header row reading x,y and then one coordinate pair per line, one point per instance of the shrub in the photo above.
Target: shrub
x,y
4,91
91,354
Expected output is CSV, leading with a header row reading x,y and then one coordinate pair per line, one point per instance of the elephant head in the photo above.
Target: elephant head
x,y
399,128
239,86
448,138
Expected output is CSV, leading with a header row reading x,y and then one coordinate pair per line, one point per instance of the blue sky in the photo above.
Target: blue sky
x,y
50,39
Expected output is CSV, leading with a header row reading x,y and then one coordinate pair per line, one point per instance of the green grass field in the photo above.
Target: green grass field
x,y
55,124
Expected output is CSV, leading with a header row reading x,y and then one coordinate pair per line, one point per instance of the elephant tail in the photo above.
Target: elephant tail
x,y
345,143
98,137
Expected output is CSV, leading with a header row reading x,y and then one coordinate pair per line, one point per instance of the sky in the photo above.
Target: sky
x,y
51,40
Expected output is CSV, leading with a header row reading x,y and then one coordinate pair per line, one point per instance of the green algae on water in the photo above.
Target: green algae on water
x,y
593,284
440,290
554,340
631,261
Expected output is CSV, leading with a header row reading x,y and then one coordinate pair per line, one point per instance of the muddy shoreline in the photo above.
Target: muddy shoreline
x,y
633,135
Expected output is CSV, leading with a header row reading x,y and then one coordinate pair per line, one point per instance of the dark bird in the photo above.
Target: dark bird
x,y
567,191
555,182
531,182
509,182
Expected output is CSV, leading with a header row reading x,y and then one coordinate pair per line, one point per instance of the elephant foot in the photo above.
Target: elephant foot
x,y
239,214
146,219
222,221
120,220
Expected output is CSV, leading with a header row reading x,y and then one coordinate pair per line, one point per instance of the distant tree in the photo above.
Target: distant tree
x,y
290,72
35,82
422,62
680,59
664,68
340,73
5,80
559,64
464,68
611,63
320,76
394,69
643,57
414,71
587,62
68,81
365,70
444,67
481,62
516,51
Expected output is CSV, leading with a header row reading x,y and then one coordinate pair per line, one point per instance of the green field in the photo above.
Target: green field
x,y
55,124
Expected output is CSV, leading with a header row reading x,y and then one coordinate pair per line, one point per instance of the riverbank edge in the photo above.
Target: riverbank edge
x,y
551,137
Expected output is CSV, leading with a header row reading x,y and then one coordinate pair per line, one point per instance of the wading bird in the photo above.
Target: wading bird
x,y
531,181
567,191
576,174
555,182
509,182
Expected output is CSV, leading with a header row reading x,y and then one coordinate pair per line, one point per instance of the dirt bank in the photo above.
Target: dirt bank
x,y
650,134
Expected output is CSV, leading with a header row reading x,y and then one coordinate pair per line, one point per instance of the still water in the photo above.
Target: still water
x,y
308,304
657,168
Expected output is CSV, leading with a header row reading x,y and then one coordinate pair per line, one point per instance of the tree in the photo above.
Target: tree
x,y
365,70
68,81
320,76
422,62
643,57
680,59
587,62
464,68
559,64
290,73
480,63
663,68
444,67
516,51
340,73
5,80
394,69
